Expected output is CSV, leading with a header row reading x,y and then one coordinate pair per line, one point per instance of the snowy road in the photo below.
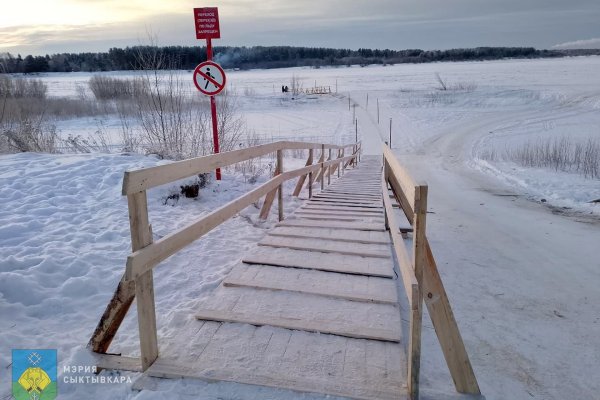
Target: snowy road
x,y
523,280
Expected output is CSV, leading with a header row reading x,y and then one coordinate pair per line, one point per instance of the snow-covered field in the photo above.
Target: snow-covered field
x,y
522,275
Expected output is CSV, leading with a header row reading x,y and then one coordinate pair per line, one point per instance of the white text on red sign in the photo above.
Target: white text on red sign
x,y
207,23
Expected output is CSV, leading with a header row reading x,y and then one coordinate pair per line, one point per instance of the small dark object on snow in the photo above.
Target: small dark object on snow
x,y
595,201
190,191
543,200
174,197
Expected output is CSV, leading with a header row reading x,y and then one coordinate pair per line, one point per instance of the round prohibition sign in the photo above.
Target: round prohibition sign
x,y
209,78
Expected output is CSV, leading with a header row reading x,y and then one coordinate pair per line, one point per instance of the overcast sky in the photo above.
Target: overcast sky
x,y
53,26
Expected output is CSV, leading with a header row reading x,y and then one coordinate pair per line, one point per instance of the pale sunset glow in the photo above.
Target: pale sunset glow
x,y
54,26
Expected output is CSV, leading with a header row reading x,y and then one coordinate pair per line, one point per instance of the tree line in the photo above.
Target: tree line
x,y
187,57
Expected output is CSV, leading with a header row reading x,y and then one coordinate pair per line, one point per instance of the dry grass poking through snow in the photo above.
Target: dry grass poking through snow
x,y
560,154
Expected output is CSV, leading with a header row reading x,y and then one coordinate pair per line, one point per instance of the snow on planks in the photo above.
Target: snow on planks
x,y
328,246
354,287
334,207
345,264
303,311
343,235
292,359
355,225
314,308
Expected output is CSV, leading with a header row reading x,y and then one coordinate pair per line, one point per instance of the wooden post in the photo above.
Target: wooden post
x,y
329,168
385,192
301,180
446,328
378,110
322,173
321,159
280,190
270,197
310,176
335,166
141,236
419,260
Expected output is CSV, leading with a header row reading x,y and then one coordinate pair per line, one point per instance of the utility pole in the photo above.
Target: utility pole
x,y
356,130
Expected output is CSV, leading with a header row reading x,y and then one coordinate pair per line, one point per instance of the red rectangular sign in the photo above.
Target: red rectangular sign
x,y
207,23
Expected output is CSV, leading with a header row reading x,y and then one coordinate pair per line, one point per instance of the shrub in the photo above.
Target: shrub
x,y
560,154
109,88
20,88
30,136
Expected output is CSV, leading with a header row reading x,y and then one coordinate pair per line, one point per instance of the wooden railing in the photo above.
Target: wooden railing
x,y
421,279
138,279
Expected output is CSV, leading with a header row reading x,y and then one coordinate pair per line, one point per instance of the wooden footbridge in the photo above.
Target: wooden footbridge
x,y
315,306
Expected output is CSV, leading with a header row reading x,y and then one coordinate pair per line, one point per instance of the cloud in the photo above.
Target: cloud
x,y
579,44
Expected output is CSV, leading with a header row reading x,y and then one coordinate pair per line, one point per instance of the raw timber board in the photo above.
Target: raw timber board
x,y
321,261
328,246
303,311
343,286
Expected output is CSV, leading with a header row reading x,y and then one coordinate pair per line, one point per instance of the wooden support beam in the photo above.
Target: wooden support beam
x,y
322,171
280,190
301,180
141,236
329,169
270,197
310,177
321,160
419,261
335,167
113,316
446,328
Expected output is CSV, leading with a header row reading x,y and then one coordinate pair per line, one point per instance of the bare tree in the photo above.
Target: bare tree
x,y
230,124
173,124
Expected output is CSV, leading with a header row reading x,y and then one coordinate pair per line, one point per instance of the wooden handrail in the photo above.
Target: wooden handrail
x,y
406,269
148,257
137,281
422,280
143,179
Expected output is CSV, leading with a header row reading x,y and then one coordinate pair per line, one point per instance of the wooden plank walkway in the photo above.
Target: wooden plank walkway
x,y
314,307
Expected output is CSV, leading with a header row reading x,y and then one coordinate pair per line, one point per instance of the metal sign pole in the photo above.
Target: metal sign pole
x,y
213,110
207,25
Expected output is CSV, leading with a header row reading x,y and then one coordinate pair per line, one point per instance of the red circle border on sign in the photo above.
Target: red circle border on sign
x,y
197,72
